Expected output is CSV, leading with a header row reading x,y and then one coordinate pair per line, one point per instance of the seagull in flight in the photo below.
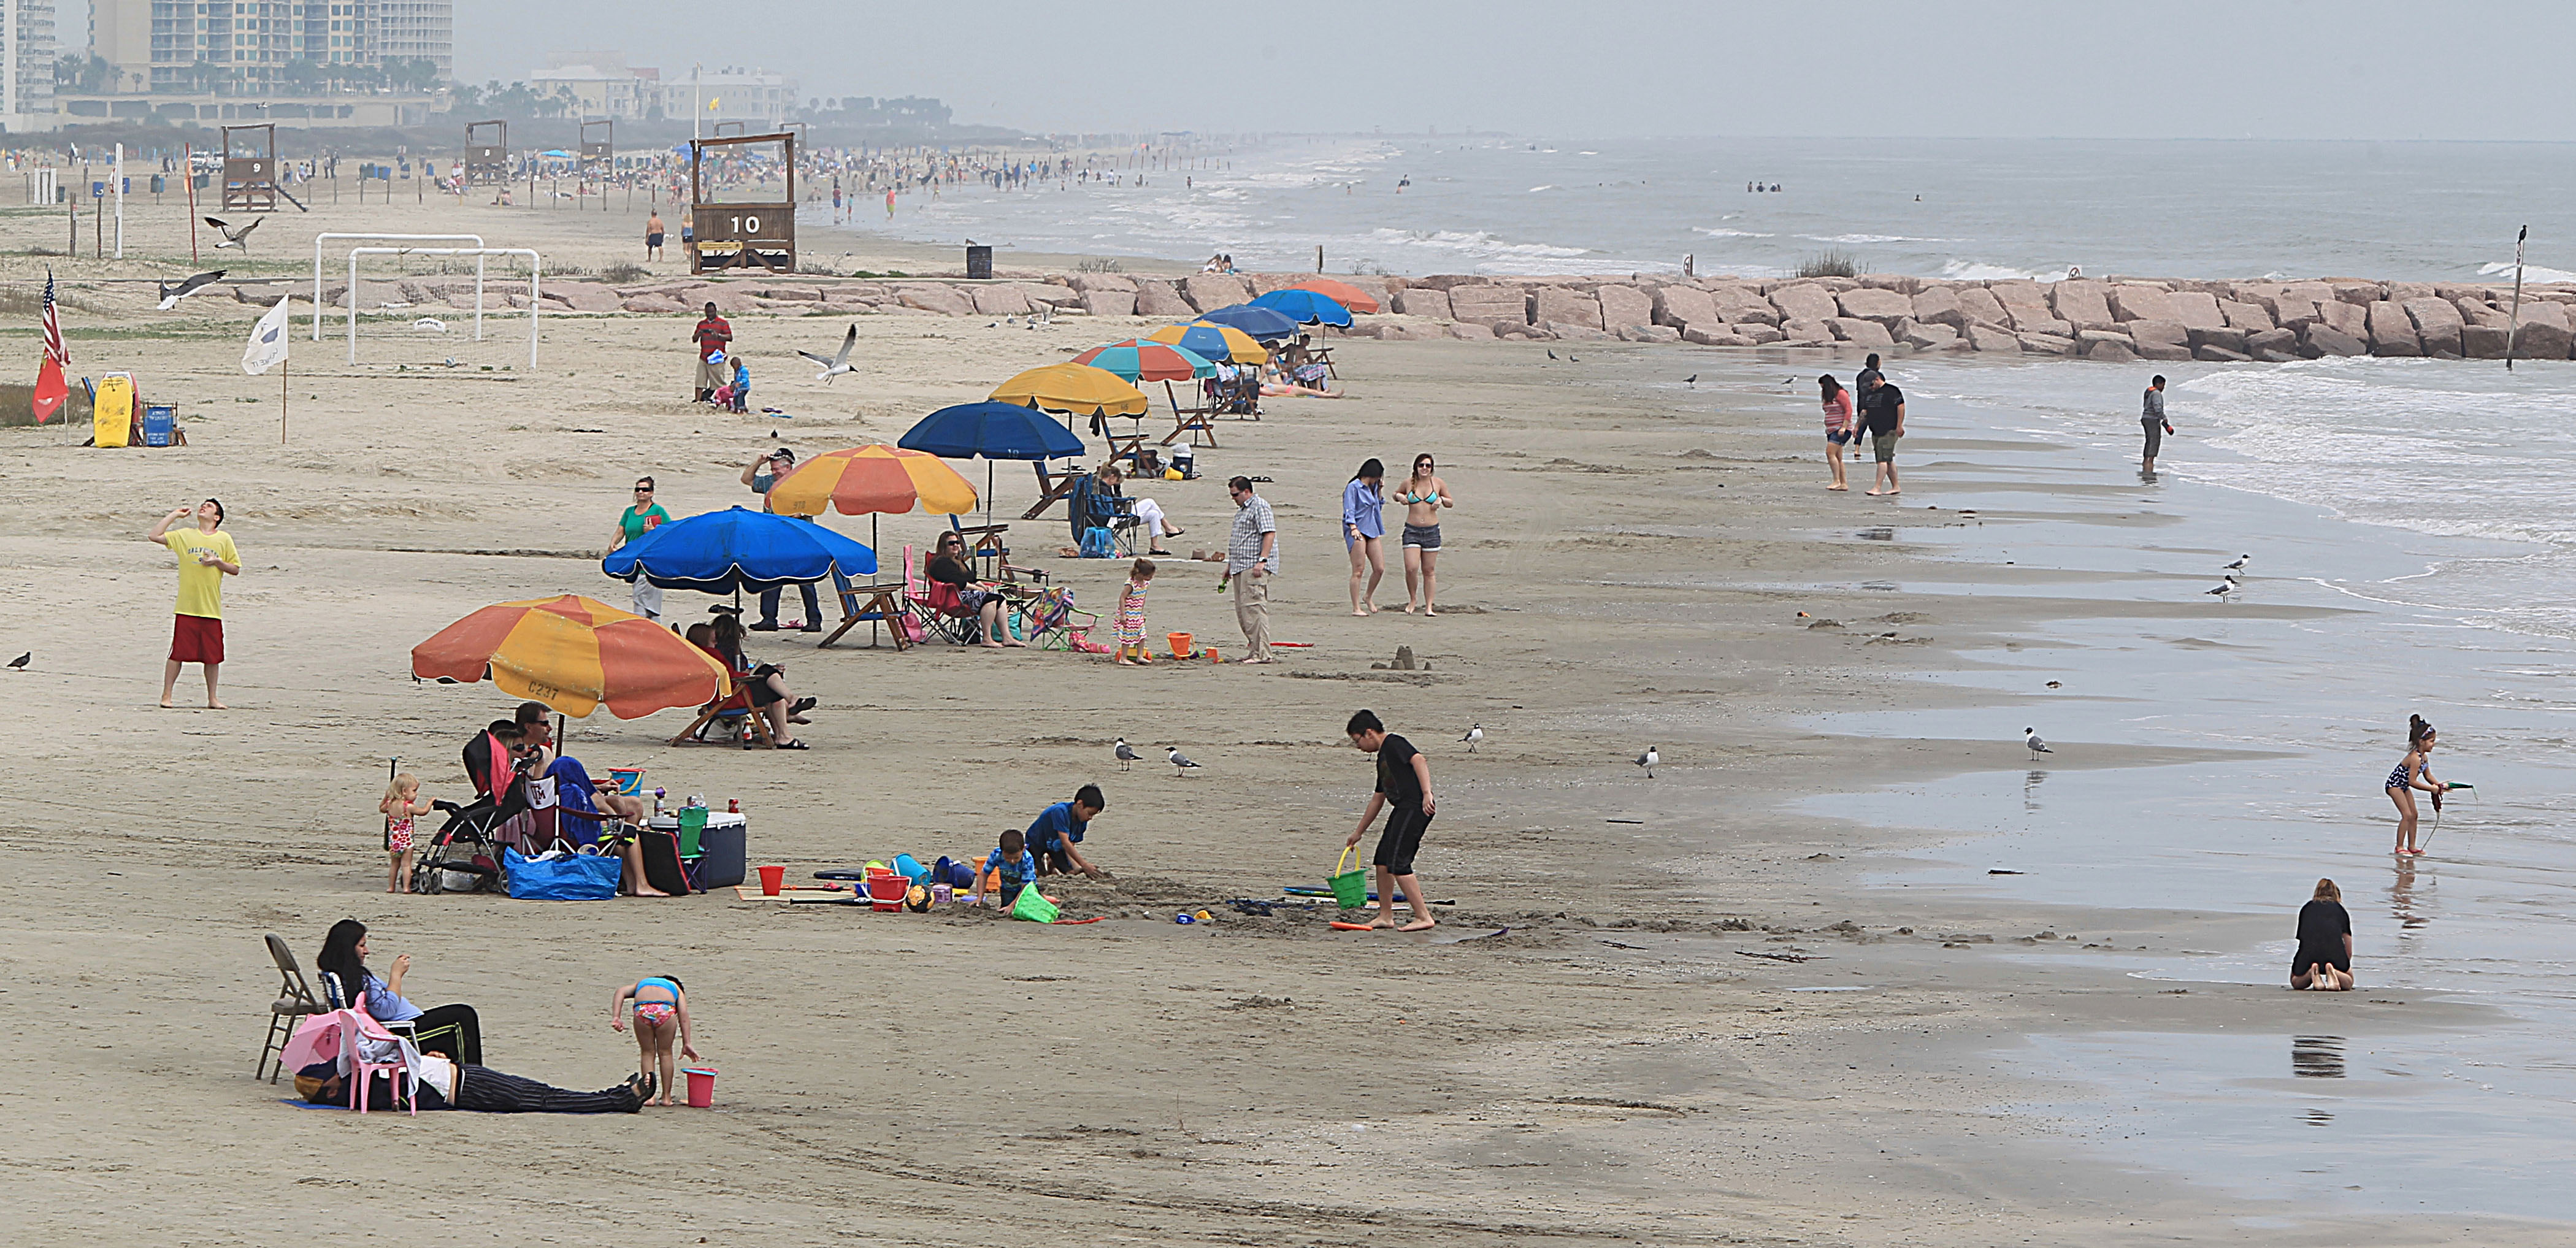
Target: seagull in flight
x,y
430,324
1648,760
2030,737
834,366
234,236
2239,565
1126,755
1475,736
1179,760
171,295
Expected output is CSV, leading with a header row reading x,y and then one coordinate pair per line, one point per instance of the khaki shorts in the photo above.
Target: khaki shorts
x,y
1883,445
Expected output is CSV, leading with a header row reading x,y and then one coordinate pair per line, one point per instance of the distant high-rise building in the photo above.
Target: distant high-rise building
x,y
27,65
253,46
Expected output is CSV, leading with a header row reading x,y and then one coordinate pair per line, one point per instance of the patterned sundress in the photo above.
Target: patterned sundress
x,y
1131,614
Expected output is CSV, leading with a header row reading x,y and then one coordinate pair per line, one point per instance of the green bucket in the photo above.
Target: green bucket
x,y
1350,888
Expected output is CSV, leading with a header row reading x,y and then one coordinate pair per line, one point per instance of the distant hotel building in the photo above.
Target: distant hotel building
x,y
26,65
255,60
600,84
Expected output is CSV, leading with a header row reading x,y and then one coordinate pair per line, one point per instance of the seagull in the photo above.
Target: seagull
x,y
431,324
19,664
1572,358
2241,561
1551,353
834,366
171,295
1179,760
2037,746
1126,755
1692,381
1648,760
1475,735
2223,589
234,237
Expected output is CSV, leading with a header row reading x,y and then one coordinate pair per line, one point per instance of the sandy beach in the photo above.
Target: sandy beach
x,y
1683,1010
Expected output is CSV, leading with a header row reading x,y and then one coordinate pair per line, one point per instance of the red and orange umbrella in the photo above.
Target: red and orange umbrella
x,y
1343,293
575,655
865,480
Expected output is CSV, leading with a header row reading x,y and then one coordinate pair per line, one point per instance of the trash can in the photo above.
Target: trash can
x,y
979,263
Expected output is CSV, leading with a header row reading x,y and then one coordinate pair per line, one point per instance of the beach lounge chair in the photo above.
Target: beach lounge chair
x,y
1052,488
991,541
295,1001
1196,421
882,601
733,714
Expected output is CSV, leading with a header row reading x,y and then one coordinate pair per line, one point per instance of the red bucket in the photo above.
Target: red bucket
x,y
885,892
771,879
702,1086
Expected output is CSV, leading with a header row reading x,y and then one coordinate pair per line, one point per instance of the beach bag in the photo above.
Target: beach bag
x,y
1098,543
1350,888
554,876
1033,905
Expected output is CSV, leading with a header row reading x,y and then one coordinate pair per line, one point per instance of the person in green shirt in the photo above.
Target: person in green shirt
x,y
636,521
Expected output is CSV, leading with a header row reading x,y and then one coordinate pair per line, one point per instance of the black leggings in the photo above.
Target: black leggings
x,y
454,1030
492,1092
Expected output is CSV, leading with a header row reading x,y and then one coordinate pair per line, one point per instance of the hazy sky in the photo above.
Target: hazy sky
x,y
2269,68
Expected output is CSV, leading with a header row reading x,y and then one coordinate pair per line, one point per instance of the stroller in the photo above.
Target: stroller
x,y
465,855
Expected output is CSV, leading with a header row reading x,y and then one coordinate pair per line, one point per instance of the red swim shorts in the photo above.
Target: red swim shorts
x,y
197,639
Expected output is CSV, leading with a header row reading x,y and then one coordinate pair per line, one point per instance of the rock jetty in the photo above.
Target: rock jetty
x,y
2114,319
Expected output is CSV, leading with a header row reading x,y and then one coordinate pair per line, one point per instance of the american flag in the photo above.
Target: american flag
x,y
53,325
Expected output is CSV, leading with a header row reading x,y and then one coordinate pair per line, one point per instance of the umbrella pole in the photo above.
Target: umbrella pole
x,y
873,545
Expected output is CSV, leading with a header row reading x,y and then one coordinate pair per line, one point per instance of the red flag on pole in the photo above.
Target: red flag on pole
x,y
50,390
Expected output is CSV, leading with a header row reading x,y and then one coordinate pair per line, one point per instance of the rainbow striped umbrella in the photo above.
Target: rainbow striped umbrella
x,y
1139,361
1215,342
574,654
870,480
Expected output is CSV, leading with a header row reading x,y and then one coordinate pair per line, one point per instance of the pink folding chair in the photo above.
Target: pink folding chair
x,y
337,1035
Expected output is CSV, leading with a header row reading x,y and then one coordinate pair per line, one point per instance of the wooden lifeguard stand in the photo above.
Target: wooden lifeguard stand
x,y
599,153
753,233
250,169
487,163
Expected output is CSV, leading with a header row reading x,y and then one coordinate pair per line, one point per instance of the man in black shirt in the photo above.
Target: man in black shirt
x,y
1404,783
1882,413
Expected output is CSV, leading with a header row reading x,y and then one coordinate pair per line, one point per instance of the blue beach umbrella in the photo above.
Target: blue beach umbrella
x,y
723,552
1305,307
1260,322
991,431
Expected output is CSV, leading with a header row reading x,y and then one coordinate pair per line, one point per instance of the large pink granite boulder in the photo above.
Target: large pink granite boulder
x,y
1805,301
2437,324
1624,307
2134,301
2392,332
1684,305
1424,301
1489,305
2081,304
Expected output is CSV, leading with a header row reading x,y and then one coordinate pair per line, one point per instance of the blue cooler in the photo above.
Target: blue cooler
x,y
722,851
159,419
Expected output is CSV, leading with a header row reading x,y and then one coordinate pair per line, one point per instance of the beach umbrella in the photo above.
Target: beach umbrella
x,y
873,480
573,654
1216,342
725,552
1135,360
1306,307
1078,389
991,431
1343,293
1262,323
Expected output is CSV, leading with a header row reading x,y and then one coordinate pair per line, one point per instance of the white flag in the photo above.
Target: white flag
x,y
267,340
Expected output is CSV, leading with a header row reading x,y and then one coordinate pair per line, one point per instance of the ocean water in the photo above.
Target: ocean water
x,y
1965,208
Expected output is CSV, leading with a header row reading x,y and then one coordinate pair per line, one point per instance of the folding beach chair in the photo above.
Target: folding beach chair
x,y
731,713
1050,621
295,1001
1194,422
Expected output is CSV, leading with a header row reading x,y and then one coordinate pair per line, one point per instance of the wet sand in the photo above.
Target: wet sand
x,y
1626,568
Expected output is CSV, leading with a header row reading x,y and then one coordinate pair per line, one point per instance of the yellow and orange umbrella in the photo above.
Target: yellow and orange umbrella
x,y
575,655
1076,388
1216,342
866,480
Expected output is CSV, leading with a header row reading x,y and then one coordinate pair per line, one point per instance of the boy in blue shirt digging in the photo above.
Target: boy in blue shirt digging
x,y
1055,836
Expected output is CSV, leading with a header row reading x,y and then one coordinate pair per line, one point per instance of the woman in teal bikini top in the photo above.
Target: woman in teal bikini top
x,y
1423,495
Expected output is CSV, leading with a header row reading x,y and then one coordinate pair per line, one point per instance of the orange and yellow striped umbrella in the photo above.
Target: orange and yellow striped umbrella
x,y
575,655
873,479
1076,388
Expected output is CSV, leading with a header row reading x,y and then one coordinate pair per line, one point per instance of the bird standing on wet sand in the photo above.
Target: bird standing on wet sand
x,y
2038,747
2241,561
2223,589
1648,760
19,664
1475,736
1126,755
1181,762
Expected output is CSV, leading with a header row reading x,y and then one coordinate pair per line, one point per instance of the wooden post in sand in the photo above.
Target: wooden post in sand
x,y
2514,326
188,170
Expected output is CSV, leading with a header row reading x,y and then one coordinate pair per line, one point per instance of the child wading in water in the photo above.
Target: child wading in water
x,y
2415,771
1131,615
402,802
661,1015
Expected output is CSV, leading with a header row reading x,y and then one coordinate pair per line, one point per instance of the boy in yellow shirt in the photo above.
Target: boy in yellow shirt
x,y
206,557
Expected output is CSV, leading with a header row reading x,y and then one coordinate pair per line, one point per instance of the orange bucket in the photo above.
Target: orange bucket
x,y
702,1086
771,878
1180,644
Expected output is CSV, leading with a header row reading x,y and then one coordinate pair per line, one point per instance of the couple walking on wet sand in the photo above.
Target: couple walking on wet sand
x,y
1880,411
1364,530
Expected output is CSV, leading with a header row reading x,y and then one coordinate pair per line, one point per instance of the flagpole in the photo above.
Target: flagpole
x,y
281,398
2513,326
